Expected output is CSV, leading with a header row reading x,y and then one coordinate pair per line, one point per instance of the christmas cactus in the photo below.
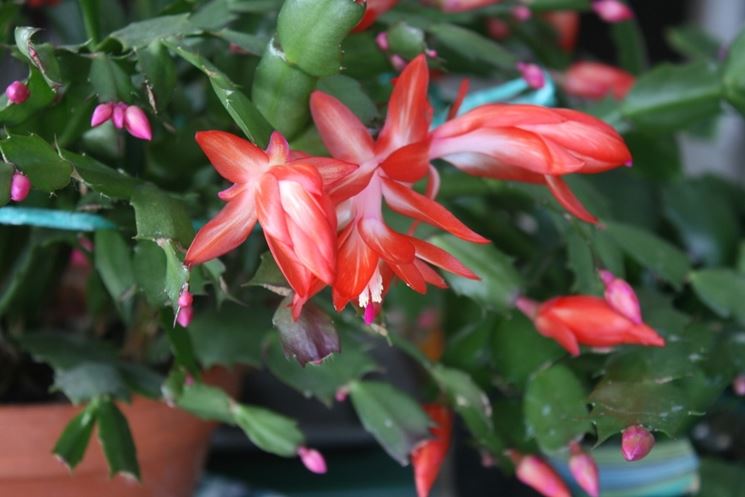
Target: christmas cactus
x,y
286,184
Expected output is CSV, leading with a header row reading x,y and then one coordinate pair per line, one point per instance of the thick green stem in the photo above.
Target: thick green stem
x,y
91,17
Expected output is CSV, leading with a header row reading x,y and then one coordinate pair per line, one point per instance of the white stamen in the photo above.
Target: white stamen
x,y
373,290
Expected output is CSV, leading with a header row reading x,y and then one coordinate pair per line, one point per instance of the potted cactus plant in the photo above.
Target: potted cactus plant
x,y
194,186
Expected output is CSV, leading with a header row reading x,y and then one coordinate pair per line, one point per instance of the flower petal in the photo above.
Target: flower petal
x,y
391,246
234,158
332,171
228,229
296,274
406,201
408,163
409,111
341,131
440,258
478,164
410,275
269,209
430,275
561,192
356,263
512,147
556,330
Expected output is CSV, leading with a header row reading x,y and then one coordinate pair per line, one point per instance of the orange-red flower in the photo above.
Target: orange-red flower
x,y
595,80
369,252
591,321
286,197
427,457
531,144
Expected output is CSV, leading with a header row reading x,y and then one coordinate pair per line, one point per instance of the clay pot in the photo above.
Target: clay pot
x,y
171,449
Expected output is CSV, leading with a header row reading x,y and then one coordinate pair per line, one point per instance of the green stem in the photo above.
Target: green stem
x,y
91,16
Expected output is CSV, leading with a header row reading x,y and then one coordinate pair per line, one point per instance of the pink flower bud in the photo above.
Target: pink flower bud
x,y
584,470
521,13
398,62
17,92
118,113
532,74
184,316
382,41
738,385
137,124
101,114
636,443
20,185
185,299
612,10
537,474
312,460
621,297
431,53
341,394
527,307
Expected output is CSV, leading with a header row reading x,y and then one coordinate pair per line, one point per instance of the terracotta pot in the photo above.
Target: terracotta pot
x,y
171,449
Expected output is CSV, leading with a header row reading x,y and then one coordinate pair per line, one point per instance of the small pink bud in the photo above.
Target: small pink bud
x,y
382,41
584,470
612,10
636,443
431,53
521,13
629,163
398,62
137,124
537,474
188,380
101,114
527,307
532,74
118,115
20,185
312,460
621,296
185,299
184,316
341,394
17,92
487,461
738,385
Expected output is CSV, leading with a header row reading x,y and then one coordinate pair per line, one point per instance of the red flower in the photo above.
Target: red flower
x,y
539,475
594,81
373,10
427,457
531,144
369,252
286,197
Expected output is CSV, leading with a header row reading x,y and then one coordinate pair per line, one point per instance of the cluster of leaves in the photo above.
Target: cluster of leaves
x,y
678,240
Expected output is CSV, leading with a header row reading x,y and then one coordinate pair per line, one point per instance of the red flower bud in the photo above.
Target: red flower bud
x,y
17,92
636,443
427,457
584,470
537,474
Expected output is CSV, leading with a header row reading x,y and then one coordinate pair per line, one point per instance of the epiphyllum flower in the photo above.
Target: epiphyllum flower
x,y
593,321
595,80
370,252
373,10
531,144
288,200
